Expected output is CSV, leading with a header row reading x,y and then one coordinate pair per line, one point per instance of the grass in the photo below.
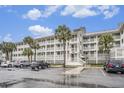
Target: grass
x,y
56,65
60,65
96,65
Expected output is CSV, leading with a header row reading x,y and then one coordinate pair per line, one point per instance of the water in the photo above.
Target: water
x,y
68,81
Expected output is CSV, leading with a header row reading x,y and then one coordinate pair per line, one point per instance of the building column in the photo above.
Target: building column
x,y
69,55
96,56
54,50
115,53
78,48
97,50
45,51
66,51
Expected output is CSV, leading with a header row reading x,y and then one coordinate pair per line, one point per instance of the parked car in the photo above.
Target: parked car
x,y
39,65
114,66
7,64
0,62
21,64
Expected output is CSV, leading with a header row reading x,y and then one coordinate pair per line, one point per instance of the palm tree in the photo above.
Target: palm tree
x,y
5,48
28,52
28,40
12,48
33,44
63,34
105,44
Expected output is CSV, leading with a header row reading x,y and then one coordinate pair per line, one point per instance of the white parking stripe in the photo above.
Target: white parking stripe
x,y
103,72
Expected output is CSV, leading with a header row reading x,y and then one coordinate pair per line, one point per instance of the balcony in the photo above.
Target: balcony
x,y
116,37
74,39
90,41
59,57
49,49
50,42
89,48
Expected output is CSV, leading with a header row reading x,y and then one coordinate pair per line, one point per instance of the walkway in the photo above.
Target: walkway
x,y
74,71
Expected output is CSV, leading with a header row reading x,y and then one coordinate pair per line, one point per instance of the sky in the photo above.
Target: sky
x,y
17,22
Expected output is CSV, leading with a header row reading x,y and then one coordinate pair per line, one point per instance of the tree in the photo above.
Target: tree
x,y
105,44
33,44
28,40
5,48
28,52
63,34
12,47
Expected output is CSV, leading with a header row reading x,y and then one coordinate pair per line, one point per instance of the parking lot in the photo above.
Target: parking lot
x,y
99,76
53,77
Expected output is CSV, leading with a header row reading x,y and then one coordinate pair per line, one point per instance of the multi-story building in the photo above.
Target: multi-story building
x,y
91,46
82,45
51,50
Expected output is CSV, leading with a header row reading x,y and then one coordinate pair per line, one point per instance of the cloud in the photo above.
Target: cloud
x,y
49,11
109,11
86,11
7,38
35,14
39,30
11,11
79,11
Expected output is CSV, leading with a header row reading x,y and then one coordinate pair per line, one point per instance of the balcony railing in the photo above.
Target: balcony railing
x,y
90,40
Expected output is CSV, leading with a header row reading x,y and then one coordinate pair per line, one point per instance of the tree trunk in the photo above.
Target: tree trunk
x,y
34,54
7,56
108,56
64,44
28,58
31,58
11,56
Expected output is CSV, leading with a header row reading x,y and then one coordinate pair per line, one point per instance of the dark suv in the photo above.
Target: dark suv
x,y
114,66
39,65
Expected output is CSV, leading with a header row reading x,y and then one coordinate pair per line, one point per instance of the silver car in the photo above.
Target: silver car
x,y
7,64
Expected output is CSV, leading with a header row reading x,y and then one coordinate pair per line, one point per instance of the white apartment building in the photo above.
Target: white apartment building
x,y
82,45
52,50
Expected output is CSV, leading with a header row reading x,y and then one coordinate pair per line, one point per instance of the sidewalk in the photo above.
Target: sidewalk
x,y
74,71
89,66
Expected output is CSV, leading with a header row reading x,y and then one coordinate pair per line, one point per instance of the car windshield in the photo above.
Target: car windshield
x,y
116,61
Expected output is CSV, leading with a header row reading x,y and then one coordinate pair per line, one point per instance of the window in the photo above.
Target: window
x,y
58,53
119,52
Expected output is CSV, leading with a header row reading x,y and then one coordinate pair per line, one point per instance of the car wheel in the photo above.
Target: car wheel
x,y
43,67
122,72
36,68
9,65
21,66
40,67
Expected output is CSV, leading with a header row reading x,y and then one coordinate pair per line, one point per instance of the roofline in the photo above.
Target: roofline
x,y
101,32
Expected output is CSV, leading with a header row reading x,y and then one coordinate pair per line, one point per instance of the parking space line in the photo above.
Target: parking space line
x,y
103,72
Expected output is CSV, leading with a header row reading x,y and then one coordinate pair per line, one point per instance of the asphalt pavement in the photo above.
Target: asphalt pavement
x,y
53,78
